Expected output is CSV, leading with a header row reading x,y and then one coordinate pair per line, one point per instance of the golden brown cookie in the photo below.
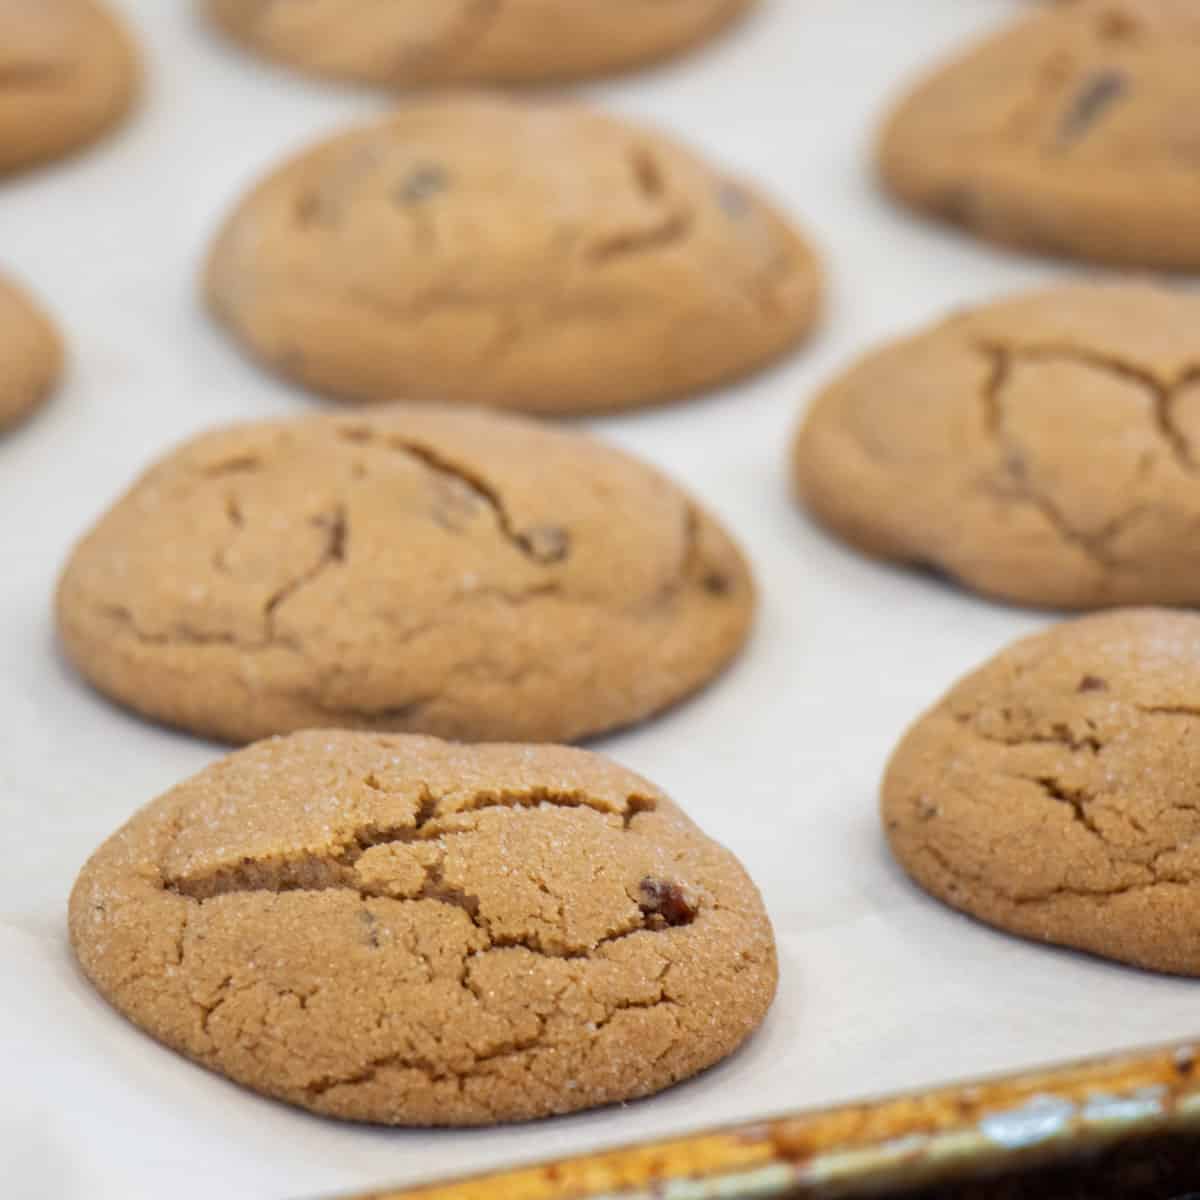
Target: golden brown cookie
x,y
68,71
540,257
420,42
435,571
1073,132
31,355
1044,449
402,930
1053,792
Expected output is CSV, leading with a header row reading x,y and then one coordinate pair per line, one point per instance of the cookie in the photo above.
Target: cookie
x,y
423,42
1044,449
1072,132
31,355
451,572
68,72
1052,793
400,930
540,257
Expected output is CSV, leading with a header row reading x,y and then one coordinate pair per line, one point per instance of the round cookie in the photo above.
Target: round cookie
x,y
68,71
451,572
400,930
1044,449
31,355
422,42
1052,793
1072,132
540,257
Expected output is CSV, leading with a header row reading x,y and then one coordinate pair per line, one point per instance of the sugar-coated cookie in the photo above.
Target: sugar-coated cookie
x,y
31,355
1044,449
421,42
534,256
396,929
1053,792
1073,132
68,71
465,574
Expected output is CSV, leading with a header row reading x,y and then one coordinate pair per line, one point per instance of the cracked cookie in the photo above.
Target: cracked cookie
x,y
421,42
401,930
31,355
1074,132
465,574
1039,449
68,71
541,257
1053,792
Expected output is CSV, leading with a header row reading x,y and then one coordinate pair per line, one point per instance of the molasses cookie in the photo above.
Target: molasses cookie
x,y
31,355
1053,792
1044,449
465,574
540,257
399,930
1072,132
68,71
421,42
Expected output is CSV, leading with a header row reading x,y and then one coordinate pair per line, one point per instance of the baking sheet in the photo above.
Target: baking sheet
x,y
881,987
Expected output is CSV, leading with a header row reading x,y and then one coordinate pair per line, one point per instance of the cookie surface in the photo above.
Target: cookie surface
x,y
1073,132
540,257
1052,793
400,930
470,41
68,70
31,355
458,573
1044,449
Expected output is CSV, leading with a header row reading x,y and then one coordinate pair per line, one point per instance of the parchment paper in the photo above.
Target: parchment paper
x,y
881,987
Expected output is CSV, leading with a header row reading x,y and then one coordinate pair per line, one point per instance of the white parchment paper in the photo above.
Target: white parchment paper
x,y
881,987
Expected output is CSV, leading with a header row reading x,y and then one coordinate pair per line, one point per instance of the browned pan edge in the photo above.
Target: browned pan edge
x,y
962,1131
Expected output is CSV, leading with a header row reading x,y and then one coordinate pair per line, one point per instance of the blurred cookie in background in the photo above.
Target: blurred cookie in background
x,y
422,42
31,355
68,72
1073,132
535,256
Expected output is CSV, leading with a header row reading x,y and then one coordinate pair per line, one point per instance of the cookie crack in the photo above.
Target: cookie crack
x,y
673,228
1168,710
1023,489
1075,798
543,545
180,634
1059,734
650,184
337,869
661,905
471,27
333,553
481,1062
1162,393
244,463
435,1073
1095,545
1047,896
